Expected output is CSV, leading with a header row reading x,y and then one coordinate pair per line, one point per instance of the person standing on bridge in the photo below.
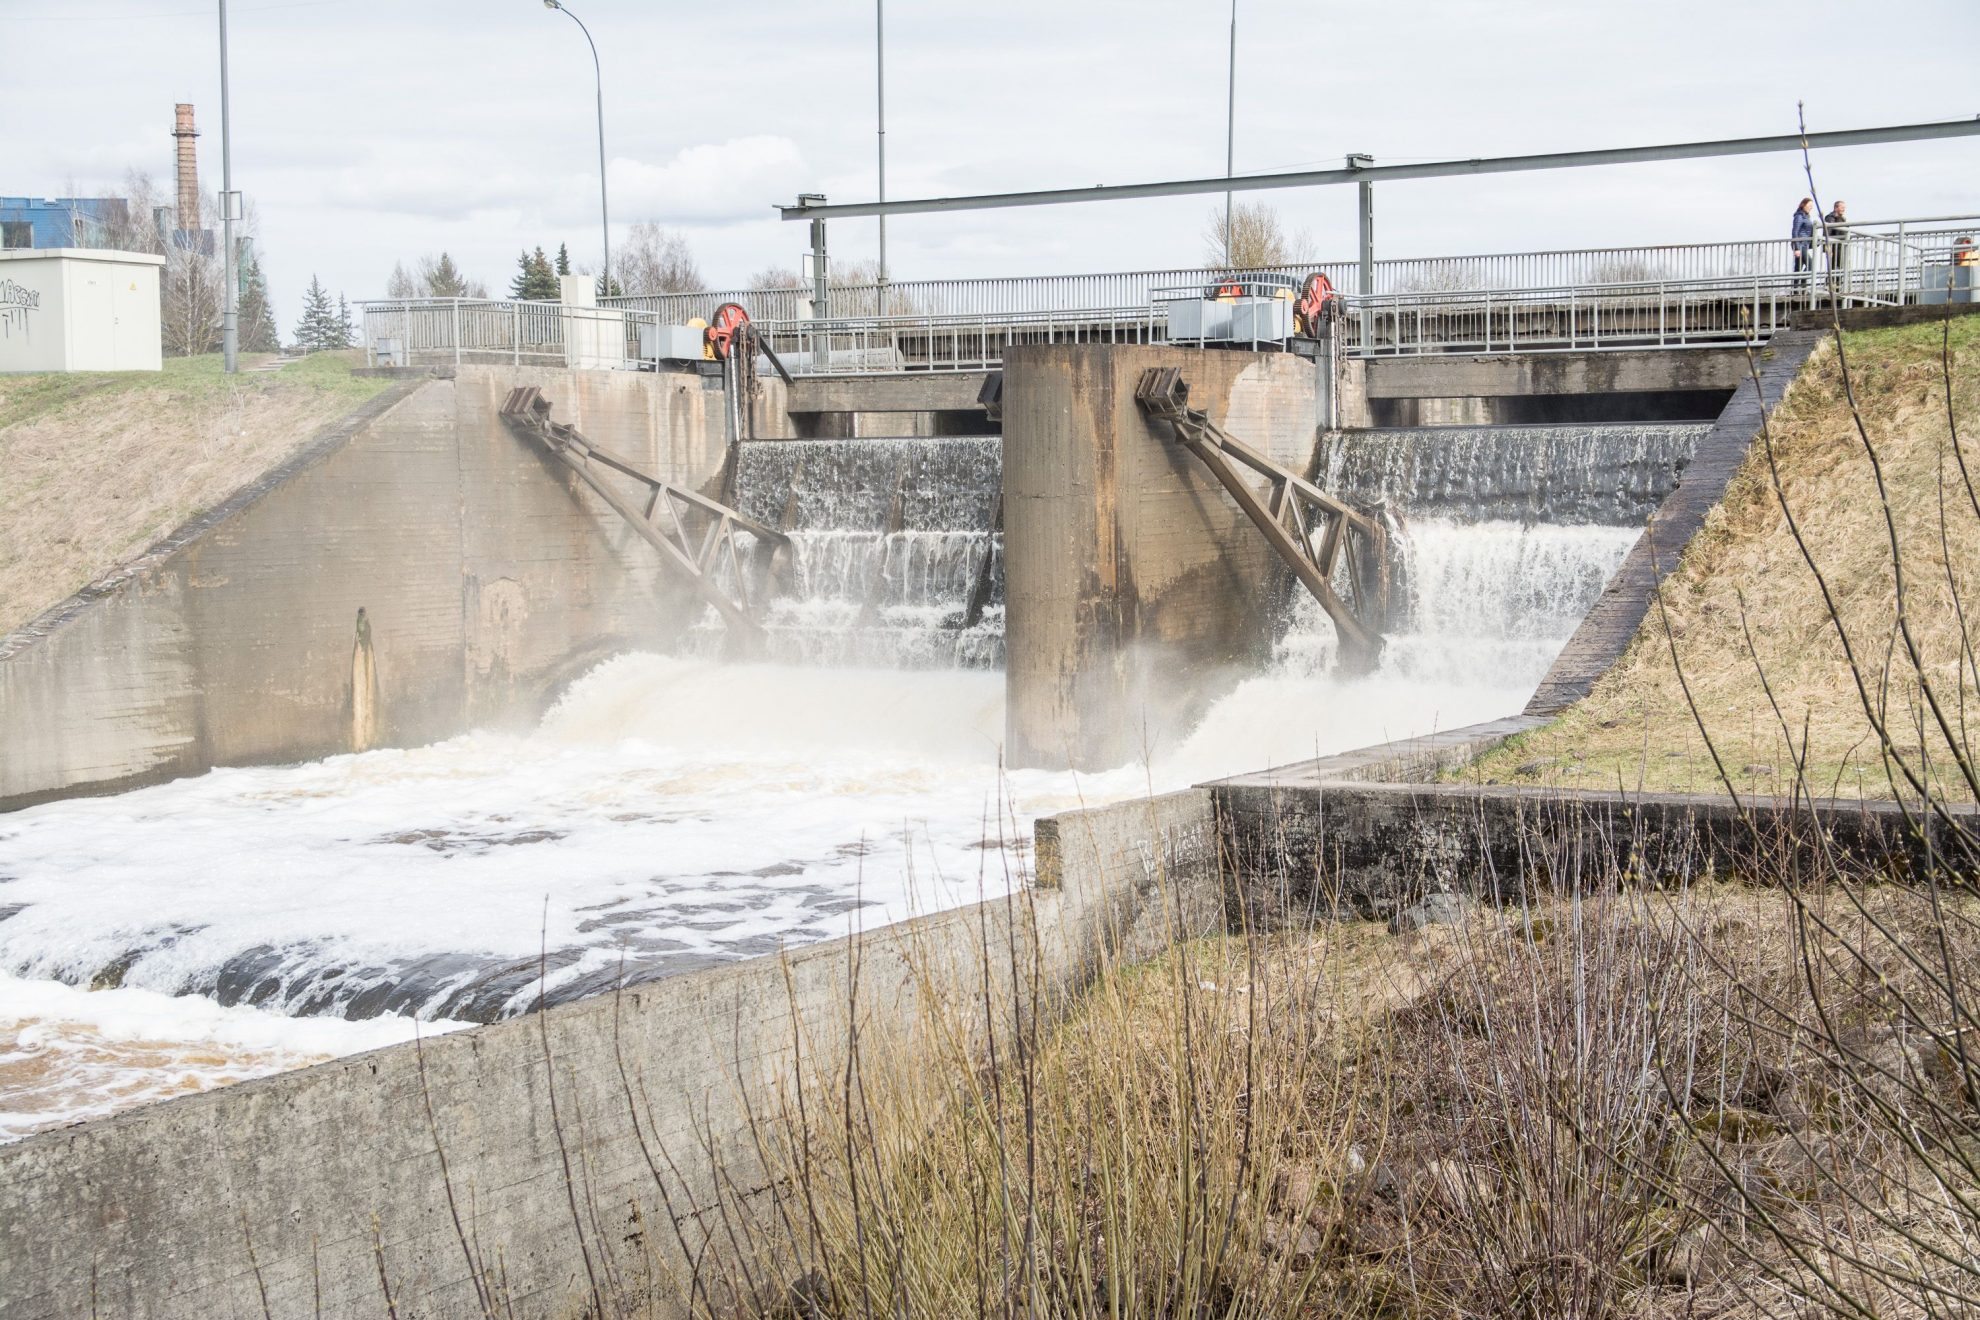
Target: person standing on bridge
x,y
1835,229
1801,237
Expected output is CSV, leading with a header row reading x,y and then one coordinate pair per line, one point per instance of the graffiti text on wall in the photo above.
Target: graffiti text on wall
x,y
16,301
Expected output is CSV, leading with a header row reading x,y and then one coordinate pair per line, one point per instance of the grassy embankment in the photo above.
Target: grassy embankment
x,y
1743,601
95,466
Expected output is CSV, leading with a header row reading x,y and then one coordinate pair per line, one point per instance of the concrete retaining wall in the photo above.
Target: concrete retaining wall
x,y
150,1214
1311,850
1135,589
488,578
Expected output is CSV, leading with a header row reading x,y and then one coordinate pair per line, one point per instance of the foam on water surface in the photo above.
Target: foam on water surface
x,y
671,812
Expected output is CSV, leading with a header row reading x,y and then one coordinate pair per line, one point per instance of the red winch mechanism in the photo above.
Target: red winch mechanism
x,y
1317,301
729,323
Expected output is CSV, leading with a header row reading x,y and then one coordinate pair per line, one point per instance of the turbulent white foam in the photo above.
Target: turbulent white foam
x,y
671,812
68,1054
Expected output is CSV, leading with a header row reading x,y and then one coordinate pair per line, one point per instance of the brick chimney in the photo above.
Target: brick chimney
x,y
184,131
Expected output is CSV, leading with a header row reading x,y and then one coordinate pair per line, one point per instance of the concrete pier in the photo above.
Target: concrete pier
x,y
1135,590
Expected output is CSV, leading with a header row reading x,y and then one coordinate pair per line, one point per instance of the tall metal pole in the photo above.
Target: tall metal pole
x,y
230,315
1366,213
604,206
1230,134
880,78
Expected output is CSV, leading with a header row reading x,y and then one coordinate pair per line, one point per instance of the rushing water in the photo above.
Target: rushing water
x,y
672,811
1613,473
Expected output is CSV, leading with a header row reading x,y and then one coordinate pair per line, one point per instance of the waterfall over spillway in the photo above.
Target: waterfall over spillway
x,y
1578,473
890,539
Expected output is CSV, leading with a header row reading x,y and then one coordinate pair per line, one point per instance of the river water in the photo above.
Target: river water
x,y
670,812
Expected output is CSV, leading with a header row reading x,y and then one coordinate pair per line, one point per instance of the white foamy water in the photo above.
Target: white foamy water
x,y
667,814
67,1054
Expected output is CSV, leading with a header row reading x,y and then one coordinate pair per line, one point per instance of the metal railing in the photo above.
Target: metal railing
x,y
1886,252
1624,314
409,331
1671,296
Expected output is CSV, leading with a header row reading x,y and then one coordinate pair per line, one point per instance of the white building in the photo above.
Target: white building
x,y
79,309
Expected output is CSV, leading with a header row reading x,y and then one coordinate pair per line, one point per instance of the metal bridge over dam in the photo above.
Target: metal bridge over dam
x,y
1715,294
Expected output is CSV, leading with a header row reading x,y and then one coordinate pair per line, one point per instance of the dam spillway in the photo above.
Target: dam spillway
x,y
1613,473
675,810
890,540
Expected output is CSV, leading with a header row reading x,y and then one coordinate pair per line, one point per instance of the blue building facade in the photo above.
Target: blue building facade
x,y
52,222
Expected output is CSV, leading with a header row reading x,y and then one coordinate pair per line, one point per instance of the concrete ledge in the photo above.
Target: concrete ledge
x,y
932,391
1409,760
1882,318
1489,375
1310,851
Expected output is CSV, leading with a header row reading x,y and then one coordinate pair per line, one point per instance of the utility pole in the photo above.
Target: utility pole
x,y
604,206
230,315
1365,224
880,68
820,281
1230,134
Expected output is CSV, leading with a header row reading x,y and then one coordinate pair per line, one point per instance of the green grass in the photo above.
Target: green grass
x,y
186,380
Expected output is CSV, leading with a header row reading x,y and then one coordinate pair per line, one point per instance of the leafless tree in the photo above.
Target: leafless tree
x,y
1256,239
657,260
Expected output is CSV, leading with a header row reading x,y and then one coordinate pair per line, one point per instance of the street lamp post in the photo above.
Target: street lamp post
x,y
1230,133
230,306
604,208
880,84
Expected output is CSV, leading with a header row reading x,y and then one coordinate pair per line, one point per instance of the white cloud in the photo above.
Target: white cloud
x,y
734,180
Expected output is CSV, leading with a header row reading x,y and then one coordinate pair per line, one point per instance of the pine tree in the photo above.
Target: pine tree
x,y
317,330
534,280
346,332
444,280
257,318
563,259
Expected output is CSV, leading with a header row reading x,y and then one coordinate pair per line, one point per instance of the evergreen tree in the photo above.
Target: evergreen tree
x,y
346,332
258,331
563,260
444,280
534,280
318,329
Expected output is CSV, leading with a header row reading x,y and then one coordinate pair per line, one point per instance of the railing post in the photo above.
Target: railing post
x,y
1902,254
457,332
515,333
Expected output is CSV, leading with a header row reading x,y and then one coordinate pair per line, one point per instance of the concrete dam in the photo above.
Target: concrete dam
x,y
571,789
686,811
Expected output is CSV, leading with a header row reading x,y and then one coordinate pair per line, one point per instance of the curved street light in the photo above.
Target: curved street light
x,y
604,209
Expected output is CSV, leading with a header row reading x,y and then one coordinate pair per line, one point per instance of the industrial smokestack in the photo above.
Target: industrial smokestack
x,y
184,131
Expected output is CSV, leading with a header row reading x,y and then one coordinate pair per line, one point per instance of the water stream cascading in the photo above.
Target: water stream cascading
x,y
889,540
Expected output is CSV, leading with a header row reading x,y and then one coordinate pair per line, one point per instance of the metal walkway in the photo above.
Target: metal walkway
x,y
1292,515
733,580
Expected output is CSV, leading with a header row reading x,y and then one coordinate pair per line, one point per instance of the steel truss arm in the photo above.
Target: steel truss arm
x,y
664,521
1292,512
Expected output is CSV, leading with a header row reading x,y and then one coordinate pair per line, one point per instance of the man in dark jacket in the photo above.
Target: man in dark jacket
x,y
1835,230
1801,236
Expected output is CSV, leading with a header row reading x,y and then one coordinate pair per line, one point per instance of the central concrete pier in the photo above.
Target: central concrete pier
x,y
1136,592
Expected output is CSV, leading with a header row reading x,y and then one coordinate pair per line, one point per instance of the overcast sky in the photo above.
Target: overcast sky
x,y
370,132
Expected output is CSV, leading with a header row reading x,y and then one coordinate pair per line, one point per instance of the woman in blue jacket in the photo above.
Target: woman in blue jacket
x,y
1802,237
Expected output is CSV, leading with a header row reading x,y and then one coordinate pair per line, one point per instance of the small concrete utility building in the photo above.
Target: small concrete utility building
x,y
79,309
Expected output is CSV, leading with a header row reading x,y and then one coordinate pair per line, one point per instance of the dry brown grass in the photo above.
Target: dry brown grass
x,y
1594,1107
96,467
1742,594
